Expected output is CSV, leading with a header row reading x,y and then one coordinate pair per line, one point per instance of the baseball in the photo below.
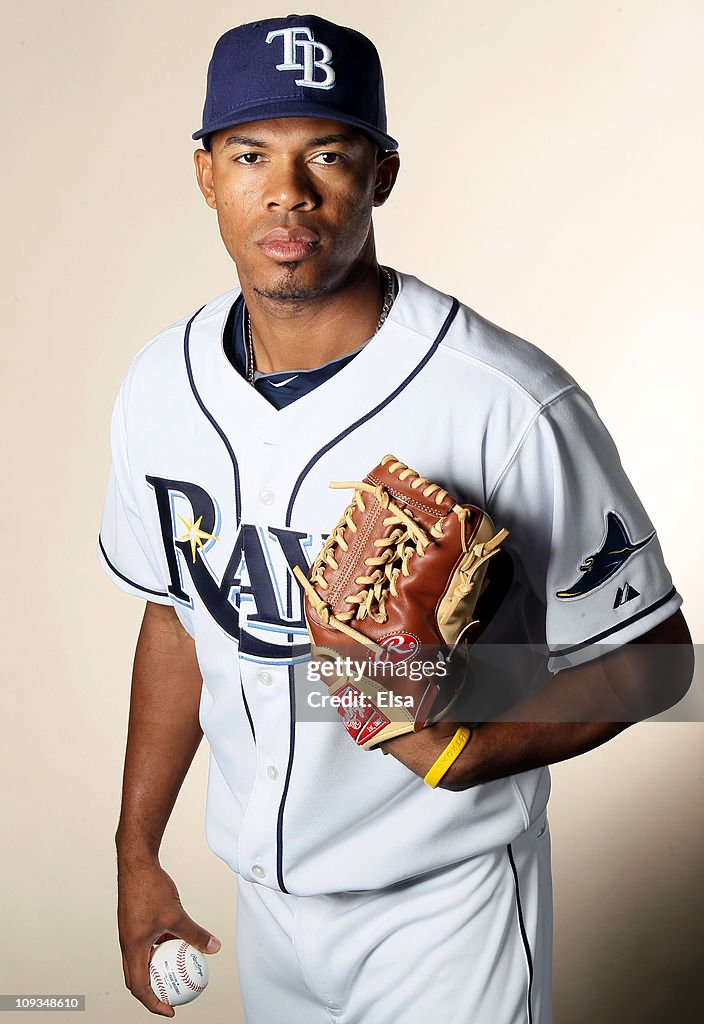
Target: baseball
x,y
178,972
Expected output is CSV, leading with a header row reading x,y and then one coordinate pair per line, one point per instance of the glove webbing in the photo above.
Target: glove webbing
x,y
399,547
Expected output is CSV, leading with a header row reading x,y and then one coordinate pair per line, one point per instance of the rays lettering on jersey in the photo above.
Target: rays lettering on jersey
x,y
249,577
301,38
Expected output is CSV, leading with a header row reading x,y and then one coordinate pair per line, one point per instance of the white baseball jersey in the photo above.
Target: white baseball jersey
x,y
214,496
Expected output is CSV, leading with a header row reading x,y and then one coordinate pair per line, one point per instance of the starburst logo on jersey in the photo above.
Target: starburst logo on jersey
x,y
300,40
616,548
194,535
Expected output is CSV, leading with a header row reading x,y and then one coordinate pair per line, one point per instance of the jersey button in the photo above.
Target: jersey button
x,y
267,497
265,678
258,871
272,772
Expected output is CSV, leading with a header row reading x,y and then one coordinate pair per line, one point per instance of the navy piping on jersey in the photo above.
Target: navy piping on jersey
x,y
524,935
249,716
292,741
289,596
145,590
559,652
287,780
223,437
209,416
364,419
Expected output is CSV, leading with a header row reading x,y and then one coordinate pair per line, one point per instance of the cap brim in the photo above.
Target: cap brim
x,y
282,108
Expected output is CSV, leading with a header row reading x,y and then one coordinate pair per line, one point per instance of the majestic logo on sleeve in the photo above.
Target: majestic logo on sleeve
x,y
300,40
616,548
624,594
247,585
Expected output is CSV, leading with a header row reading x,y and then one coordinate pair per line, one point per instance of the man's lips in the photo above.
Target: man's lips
x,y
293,243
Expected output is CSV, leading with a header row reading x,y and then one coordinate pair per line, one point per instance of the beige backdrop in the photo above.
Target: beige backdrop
x,y
552,169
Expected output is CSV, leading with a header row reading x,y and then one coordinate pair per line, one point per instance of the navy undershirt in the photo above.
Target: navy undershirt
x,y
280,389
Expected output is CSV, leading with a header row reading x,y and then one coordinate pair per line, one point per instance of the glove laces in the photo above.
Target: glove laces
x,y
395,551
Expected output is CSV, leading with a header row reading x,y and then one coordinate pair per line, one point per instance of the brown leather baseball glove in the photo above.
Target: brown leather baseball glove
x,y
390,601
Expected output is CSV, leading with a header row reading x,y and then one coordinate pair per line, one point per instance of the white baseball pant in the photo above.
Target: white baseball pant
x,y
470,943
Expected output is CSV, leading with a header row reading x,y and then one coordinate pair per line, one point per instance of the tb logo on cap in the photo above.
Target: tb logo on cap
x,y
301,38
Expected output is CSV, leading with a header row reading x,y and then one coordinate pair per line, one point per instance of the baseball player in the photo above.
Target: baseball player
x,y
364,893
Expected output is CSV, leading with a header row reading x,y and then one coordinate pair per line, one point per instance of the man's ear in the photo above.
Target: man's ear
x,y
204,174
387,169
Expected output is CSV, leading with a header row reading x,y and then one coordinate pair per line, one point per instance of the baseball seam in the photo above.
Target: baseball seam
x,y
183,969
157,981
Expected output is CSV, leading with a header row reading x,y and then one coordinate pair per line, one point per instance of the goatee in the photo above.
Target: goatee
x,y
288,289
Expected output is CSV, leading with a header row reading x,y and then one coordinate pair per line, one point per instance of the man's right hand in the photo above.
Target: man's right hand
x,y
162,738
148,911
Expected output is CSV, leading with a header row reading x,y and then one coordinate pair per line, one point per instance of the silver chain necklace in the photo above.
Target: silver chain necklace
x,y
385,308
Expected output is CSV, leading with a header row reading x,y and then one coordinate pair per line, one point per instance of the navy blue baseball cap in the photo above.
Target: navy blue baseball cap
x,y
300,66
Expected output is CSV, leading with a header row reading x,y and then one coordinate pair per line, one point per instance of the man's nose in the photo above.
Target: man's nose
x,y
289,187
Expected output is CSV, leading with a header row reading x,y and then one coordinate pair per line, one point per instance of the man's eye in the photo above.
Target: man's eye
x,y
248,158
328,159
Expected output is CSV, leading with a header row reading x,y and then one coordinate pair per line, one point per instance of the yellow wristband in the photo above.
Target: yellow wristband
x,y
448,757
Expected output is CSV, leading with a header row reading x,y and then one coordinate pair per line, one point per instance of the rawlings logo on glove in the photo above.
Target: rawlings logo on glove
x,y
401,572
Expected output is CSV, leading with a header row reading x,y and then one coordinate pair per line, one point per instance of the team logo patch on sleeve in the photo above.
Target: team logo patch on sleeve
x,y
616,548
